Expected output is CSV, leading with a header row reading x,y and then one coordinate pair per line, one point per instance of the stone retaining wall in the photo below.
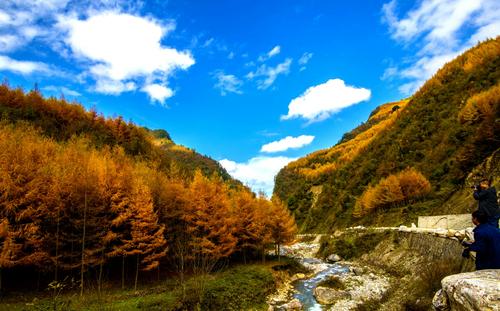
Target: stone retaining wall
x,y
457,222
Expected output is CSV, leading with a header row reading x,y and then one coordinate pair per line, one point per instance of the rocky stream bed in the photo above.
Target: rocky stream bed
x,y
304,292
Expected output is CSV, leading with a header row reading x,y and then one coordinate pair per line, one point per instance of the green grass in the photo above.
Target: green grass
x,y
243,287
351,245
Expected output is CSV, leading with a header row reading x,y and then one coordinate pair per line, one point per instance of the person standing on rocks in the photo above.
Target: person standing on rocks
x,y
486,243
487,201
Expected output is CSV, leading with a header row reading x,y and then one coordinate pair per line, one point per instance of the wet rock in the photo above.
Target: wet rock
x,y
440,301
478,290
328,296
361,288
298,276
292,305
333,258
357,270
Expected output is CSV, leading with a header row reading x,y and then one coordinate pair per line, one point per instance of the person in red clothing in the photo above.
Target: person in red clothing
x,y
486,243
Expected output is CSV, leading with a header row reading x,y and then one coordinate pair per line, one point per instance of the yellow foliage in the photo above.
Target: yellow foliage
x,y
405,186
334,158
481,106
476,56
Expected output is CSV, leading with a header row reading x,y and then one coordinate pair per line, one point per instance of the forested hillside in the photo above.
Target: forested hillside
x,y
409,158
99,200
60,120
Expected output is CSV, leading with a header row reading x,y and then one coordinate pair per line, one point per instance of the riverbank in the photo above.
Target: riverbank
x,y
370,270
329,285
413,263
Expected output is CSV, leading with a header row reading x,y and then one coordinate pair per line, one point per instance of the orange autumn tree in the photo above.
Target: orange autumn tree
x,y
23,187
143,235
209,222
282,224
248,231
403,187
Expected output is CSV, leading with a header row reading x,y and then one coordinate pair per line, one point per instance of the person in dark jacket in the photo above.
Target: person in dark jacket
x,y
487,201
486,243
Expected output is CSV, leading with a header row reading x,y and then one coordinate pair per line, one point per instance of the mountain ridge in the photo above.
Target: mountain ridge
x,y
446,129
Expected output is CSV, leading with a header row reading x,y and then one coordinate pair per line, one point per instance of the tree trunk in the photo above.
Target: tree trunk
x,y
83,244
244,256
136,273
99,281
279,253
1,289
123,271
57,246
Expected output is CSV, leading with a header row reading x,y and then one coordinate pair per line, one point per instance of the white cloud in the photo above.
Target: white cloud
x,y
435,28
115,46
22,67
389,73
305,58
273,52
124,47
113,87
62,90
158,92
269,74
19,21
258,173
286,143
227,83
321,101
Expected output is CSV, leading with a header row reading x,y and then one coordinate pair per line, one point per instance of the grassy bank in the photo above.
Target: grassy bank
x,y
243,287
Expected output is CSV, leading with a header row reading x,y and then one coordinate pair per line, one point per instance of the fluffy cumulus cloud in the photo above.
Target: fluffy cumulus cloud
x,y
123,50
266,75
258,173
227,83
158,92
286,143
321,101
114,46
435,29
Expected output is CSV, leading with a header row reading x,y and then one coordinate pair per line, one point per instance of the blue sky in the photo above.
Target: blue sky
x,y
252,84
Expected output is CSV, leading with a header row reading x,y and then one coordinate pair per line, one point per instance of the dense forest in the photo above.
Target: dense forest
x,y
101,200
432,140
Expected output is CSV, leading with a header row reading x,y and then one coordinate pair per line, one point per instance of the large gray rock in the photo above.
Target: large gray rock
x,y
478,290
327,296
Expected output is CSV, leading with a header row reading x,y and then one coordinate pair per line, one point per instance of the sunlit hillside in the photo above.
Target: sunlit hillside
x,y
443,131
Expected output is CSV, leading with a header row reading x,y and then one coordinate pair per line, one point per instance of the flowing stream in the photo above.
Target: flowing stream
x,y
304,289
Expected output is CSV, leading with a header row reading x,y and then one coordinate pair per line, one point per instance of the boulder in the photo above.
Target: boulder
x,y
327,296
333,258
357,270
478,290
292,305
